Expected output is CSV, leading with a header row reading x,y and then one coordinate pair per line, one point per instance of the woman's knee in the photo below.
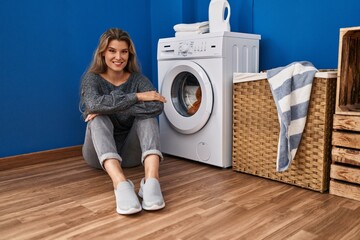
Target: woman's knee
x,y
101,121
147,126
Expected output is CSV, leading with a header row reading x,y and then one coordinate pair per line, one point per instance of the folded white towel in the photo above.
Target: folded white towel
x,y
177,34
190,27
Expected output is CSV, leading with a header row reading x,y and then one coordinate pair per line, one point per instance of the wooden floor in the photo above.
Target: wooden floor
x,y
66,199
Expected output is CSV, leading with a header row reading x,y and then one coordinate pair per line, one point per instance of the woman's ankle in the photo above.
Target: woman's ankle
x,y
114,170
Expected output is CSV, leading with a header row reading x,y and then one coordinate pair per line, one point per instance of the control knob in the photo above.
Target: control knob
x,y
184,48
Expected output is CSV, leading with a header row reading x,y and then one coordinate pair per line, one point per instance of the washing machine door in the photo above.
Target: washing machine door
x,y
189,95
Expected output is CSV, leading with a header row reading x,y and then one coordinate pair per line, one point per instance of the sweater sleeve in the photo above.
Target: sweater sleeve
x,y
145,109
97,102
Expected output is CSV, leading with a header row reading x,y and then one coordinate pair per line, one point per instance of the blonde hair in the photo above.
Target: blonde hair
x,y
98,64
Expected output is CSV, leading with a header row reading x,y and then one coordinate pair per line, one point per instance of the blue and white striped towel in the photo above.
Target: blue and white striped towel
x,y
291,89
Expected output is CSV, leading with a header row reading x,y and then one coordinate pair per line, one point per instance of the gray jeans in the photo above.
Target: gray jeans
x,y
131,149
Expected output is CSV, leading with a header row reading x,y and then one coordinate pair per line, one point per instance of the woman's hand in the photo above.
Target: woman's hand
x,y
150,96
90,116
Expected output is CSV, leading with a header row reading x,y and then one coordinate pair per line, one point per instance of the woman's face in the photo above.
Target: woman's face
x,y
116,55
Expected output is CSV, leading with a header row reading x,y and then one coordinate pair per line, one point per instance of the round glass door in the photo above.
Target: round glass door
x,y
186,94
188,90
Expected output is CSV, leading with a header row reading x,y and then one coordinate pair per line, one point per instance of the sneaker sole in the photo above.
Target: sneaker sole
x,y
129,211
153,207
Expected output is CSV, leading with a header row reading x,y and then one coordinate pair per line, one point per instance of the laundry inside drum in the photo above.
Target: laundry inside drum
x,y
186,94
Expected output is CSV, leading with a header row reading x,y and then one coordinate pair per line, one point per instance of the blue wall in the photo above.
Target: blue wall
x,y
47,45
302,30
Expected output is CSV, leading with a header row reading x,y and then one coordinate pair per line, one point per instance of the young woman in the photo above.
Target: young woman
x,y
120,107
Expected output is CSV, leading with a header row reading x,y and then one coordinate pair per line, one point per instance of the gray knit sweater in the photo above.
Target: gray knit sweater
x,y
118,102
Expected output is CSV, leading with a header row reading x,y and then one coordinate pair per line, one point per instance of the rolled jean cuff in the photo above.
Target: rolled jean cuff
x,y
151,152
106,156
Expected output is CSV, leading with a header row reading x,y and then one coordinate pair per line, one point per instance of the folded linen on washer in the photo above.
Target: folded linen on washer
x,y
291,89
177,34
191,27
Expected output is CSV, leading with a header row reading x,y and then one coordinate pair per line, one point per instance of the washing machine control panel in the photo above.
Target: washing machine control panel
x,y
194,48
189,48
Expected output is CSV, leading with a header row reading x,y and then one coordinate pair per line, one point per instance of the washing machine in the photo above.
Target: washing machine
x,y
195,76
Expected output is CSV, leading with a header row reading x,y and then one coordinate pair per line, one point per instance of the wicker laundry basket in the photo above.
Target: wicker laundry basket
x,y
256,132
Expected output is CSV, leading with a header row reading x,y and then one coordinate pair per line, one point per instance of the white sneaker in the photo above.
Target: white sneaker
x,y
126,200
150,192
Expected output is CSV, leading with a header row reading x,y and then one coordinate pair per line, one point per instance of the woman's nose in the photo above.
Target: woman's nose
x,y
118,55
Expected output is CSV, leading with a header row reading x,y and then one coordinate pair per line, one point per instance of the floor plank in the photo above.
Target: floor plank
x,y
66,199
